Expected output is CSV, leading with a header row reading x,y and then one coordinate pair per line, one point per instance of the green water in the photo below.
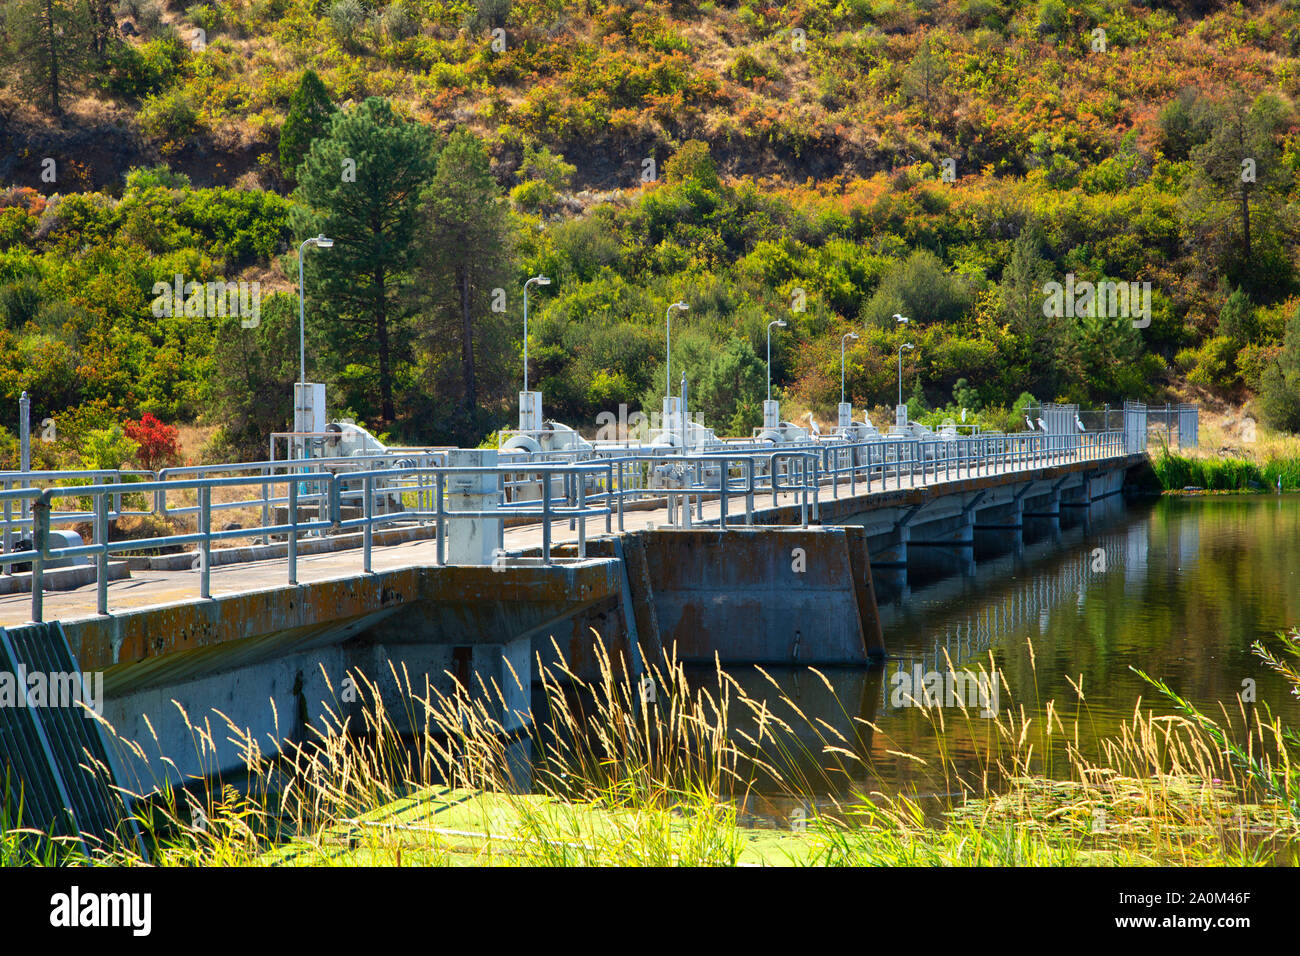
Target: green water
x,y
1180,588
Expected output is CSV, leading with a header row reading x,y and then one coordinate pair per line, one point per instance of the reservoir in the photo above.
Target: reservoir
x,y
1180,588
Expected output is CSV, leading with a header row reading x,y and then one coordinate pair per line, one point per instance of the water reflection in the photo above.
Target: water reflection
x,y
1179,589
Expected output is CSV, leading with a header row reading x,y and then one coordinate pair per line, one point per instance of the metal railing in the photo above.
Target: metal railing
x,y
14,526
876,465
423,493
294,502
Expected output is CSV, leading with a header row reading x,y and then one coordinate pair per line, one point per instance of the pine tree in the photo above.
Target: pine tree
x,y
310,109
1237,318
1237,193
467,232
50,44
360,185
1279,392
923,78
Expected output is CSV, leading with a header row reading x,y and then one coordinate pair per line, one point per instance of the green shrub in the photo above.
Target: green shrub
x,y
746,68
346,18
535,195
169,116
107,448
398,22
487,15
135,72
1215,366
1237,318
547,166
1279,398
1053,18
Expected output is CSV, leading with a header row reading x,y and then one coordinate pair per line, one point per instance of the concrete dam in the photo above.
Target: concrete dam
x,y
478,569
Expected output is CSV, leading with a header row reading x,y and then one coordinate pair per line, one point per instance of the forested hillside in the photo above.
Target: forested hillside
x,y
831,164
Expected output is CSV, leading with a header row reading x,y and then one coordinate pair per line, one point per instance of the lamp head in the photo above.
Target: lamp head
x,y
321,242
541,279
781,323
901,318
908,346
679,305
852,335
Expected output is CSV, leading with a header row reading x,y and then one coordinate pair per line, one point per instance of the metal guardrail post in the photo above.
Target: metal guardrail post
x,y
266,502
609,499
582,514
293,529
570,498
368,529
803,491
546,520
816,490
40,544
749,491
101,559
8,533
205,553
440,511
722,496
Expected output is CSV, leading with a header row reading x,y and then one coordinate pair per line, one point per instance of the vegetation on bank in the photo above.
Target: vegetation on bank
x,y
621,775
1177,473
759,161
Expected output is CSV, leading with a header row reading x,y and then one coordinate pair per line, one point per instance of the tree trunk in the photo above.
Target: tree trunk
x,y
53,49
386,407
1245,221
467,344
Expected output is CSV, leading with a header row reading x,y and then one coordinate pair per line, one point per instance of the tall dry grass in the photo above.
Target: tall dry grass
x,y
632,770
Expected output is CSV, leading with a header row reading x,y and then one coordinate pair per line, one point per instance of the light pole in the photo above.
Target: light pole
x,y
845,338
540,280
320,242
668,354
780,324
908,346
